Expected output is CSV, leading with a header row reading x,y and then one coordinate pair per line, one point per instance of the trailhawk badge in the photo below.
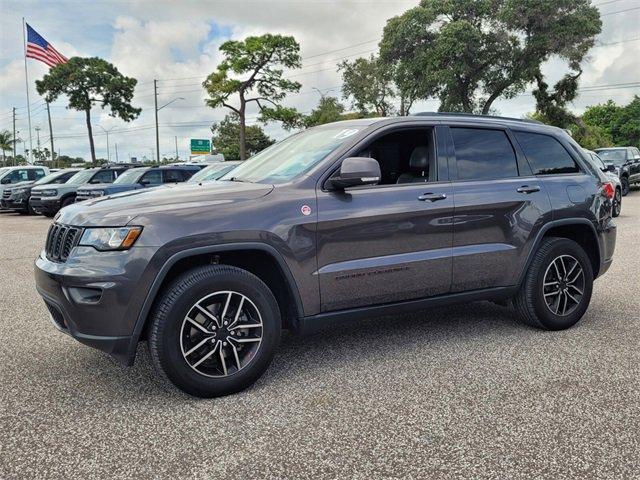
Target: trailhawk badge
x,y
306,210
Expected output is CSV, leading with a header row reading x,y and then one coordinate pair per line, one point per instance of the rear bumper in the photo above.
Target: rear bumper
x,y
607,246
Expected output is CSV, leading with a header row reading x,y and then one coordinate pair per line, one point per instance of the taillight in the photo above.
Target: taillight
x,y
609,190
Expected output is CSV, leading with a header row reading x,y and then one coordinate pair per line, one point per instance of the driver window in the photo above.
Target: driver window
x,y
405,156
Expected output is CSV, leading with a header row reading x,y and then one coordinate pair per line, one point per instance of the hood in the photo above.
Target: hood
x,y
109,187
122,208
26,183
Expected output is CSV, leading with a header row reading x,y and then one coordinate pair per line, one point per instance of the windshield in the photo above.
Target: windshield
x,y
49,178
212,172
130,176
3,170
83,176
291,157
617,157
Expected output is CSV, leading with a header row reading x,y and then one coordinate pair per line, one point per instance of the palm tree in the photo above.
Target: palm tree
x,y
6,143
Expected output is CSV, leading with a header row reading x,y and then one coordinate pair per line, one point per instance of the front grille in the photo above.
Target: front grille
x,y
60,241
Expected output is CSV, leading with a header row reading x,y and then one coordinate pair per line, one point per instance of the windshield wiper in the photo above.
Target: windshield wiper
x,y
240,180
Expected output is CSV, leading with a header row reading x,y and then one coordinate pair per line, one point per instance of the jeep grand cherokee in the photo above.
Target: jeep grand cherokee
x,y
350,219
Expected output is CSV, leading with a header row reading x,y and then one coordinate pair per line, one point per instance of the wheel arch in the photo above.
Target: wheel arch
x,y
580,230
257,258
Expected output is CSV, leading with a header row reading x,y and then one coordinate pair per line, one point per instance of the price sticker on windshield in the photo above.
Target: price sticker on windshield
x,y
346,133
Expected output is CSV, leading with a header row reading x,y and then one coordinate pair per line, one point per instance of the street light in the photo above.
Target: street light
x,y
157,109
107,132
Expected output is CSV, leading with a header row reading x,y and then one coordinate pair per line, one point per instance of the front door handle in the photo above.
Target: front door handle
x,y
528,189
432,197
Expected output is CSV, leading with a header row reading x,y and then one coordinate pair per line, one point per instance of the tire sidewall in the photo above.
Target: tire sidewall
x,y
625,186
547,318
173,363
617,203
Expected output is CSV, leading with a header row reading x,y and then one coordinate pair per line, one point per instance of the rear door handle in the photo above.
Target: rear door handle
x,y
432,197
528,189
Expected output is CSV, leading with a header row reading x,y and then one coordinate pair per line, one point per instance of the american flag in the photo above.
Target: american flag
x,y
40,49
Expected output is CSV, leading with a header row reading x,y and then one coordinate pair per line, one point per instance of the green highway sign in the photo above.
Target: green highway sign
x,y
200,146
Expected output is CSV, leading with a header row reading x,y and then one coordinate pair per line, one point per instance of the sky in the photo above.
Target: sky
x,y
177,43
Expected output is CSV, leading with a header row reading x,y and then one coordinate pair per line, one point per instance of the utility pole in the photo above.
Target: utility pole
x,y
107,132
155,99
177,156
51,135
37,129
15,161
116,152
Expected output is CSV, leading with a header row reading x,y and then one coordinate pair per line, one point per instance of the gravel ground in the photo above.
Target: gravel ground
x,y
462,392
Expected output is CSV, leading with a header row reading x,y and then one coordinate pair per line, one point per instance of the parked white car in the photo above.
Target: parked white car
x,y
9,176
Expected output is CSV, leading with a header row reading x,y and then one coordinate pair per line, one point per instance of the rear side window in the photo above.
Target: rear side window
x,y
172,176
545,154
483,154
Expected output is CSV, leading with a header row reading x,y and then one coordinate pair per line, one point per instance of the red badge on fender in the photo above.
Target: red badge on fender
x,y
306,210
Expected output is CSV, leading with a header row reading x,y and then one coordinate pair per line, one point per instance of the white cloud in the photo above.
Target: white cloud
x,y
176,41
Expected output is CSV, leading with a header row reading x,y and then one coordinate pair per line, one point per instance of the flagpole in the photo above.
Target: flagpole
x,y
26,81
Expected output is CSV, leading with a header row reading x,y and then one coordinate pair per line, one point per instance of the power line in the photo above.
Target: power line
x,y
619,11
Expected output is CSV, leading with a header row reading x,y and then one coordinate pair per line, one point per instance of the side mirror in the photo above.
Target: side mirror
x,y
356,171
611,168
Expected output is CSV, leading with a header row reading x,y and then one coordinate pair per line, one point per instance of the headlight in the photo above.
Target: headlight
x,y
118,238
48,193
97,193
20,191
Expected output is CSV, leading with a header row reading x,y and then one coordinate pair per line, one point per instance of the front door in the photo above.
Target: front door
x,y
389,242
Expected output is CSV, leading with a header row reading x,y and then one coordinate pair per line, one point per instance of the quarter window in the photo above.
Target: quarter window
x,y
545,154
483,154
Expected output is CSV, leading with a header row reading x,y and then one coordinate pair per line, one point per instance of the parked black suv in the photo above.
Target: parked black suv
x,y
625,162
351,219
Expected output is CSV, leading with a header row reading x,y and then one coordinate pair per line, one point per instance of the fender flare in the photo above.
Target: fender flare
x,y
192,252
548,226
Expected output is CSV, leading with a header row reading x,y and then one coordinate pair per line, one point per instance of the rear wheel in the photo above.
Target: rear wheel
x,y
557,288
214,330
624,181
617,203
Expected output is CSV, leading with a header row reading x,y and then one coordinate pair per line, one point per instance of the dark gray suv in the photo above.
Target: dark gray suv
x,y
346,220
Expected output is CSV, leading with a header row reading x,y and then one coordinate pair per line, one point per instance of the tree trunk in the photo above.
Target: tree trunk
x,y
243,133
90,130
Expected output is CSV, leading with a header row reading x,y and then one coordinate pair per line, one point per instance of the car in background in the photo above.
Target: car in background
x,y
47,200
10,176
609,171
214,171
626,161
17,198
136,179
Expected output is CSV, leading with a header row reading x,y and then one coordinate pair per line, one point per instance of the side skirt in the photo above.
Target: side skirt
x,y
315,323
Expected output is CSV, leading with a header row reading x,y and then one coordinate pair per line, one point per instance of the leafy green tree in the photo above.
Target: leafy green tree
x,y
259,62
622,124
369,83
226,133
88,82
469,53
6,144
329,110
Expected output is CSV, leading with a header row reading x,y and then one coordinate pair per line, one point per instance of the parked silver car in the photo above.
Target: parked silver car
x,y
612,175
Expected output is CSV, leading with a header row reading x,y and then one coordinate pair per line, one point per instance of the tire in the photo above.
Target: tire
x,y
624,182
67,201
530,303
617,203
49,214
174,338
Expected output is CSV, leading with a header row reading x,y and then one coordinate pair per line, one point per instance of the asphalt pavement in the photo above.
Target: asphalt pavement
x,y
462,392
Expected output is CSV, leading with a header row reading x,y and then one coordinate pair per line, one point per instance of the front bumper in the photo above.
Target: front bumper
x,y
45,205
96,297
15,204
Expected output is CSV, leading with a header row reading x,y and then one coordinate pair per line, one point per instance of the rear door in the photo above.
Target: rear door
x,y
499,207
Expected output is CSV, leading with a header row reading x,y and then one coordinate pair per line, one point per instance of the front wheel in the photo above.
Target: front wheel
x,y
617,203
214,330
624,182
557,288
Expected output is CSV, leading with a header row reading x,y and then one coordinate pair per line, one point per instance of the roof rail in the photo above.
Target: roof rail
x,y
473,115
